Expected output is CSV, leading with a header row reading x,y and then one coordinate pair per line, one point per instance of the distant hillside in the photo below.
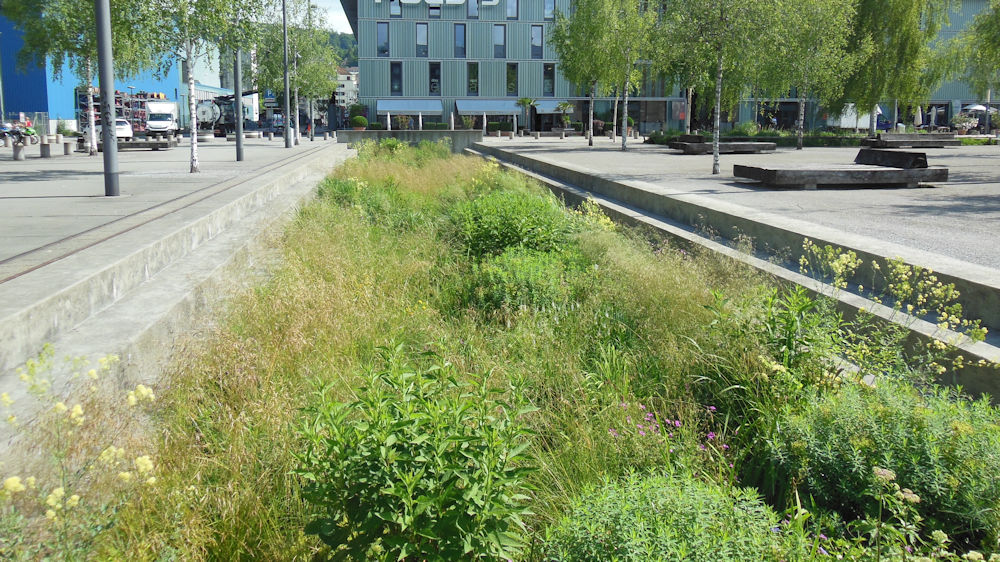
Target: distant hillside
x,y
346,47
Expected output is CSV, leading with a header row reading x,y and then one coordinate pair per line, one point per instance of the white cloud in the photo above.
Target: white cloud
x,y
335,15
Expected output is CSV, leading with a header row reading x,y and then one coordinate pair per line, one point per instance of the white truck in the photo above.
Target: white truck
x,y
161,118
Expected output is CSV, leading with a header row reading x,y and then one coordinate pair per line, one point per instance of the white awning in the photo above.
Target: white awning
x,y
489,107
547,106
409,107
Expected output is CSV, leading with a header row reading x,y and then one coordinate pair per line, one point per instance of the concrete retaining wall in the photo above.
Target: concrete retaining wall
x,y
460,139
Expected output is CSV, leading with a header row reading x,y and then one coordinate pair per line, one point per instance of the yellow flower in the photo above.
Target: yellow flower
x,y
125,476
151,481
5,399
76,414
131,398
13,485
73,501
60,407
144,394
49,514
92,374
144,464
12,420
30,481
54,499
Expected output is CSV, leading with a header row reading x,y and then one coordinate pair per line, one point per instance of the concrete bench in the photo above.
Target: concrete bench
x,y
724,147
911,140
872,168
141,145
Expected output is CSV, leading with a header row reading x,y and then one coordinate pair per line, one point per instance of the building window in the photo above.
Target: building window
x,y
383,38
473,68
395,11
396,78
512,9
434,84
473,7
499,41
434,12
421,39
536,41
550,9
512,79
548,80
459,40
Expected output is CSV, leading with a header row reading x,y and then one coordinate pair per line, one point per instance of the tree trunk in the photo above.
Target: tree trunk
x,y
593,94
718,113
195,166
91,121
295,111
625,118
802,121
614,119
871,122
687,111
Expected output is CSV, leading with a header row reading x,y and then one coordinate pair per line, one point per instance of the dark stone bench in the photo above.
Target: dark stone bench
x,y
141,144
891,158
912,140
873,168
704,147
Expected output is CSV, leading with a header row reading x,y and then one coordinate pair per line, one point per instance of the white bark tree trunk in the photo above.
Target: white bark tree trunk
x,y
717,118
91,121
687,111
614,120
625,118
590,127
802,122
193,112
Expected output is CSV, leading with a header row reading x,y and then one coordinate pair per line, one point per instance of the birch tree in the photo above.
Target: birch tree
x,y
64,34
735,37
579,40
632,27
899,34
814,55
190,30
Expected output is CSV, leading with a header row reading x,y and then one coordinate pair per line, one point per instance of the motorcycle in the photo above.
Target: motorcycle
x,y
31,135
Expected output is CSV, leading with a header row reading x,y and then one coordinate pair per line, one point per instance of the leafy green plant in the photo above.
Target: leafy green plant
x,y
674,517
524,278
421,466
944,448
357,109
497,220
468,122
359,121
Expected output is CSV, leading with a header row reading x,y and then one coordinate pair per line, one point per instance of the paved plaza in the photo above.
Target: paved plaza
x,y
959,219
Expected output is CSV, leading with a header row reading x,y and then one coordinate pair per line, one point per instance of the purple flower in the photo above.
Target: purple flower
x,y
677,423
649,416
671,450
711,408
641,407
725,447
612,431
702,447
822,537
825,553
624,405
628,419
711,435
638,426
643,433
670,435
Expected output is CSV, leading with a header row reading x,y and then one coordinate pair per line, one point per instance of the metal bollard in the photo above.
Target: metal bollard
x,y
538,135
67,148
270,136
326,136
562,134
6,142
19,152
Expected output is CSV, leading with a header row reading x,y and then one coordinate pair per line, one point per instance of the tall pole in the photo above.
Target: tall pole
x,y
3,108
105,65
288,110
238,108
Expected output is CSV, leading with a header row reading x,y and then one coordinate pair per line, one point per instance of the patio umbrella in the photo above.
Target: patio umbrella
x,y
918,117
932,111
976,107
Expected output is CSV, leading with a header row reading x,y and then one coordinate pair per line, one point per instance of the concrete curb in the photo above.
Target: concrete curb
x,y
974,379
979,286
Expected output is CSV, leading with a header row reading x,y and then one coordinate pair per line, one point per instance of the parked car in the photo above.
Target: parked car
x,y
123,130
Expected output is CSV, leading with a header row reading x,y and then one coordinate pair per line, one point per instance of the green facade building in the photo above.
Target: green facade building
x,y
437,60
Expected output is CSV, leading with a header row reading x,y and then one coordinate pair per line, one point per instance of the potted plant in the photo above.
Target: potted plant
x,y
962,123
359,123
564,107
526,104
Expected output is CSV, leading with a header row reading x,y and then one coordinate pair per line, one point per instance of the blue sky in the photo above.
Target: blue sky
x,y
335,15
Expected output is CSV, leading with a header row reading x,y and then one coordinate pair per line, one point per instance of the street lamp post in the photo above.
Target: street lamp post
x,y
288,110
3,108
238,104
105,65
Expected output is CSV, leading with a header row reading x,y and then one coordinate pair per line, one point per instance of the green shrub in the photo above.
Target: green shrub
x,y
745,129
577,126
434,126
357,109
420,467
498,220
665,518
492,126
944,448
506,126
376,126
359,121
523,278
